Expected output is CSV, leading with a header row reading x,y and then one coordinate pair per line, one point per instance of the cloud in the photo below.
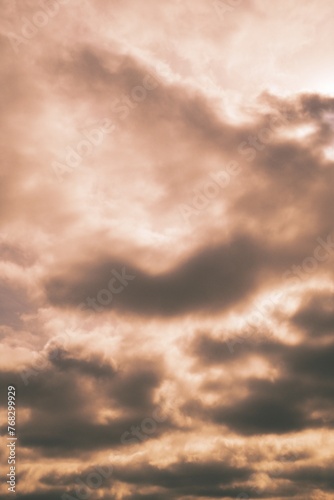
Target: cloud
x,y
316,315
117,118
13,303
300,396
314,477
178,478
212,279
92,367
62,420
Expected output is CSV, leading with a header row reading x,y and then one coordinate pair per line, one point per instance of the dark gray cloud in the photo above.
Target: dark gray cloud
x,y
185,474
216,351
135,388
209,478
63,421
93,366
304,387
313,477
269,410
38,495
316,315
211,280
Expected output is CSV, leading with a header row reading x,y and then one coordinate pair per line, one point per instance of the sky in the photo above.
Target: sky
x,y
167,247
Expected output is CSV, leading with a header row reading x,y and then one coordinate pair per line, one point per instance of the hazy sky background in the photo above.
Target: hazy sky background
x,y
167,241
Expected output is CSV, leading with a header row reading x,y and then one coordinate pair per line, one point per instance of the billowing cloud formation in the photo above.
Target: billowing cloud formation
x,y
167,248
